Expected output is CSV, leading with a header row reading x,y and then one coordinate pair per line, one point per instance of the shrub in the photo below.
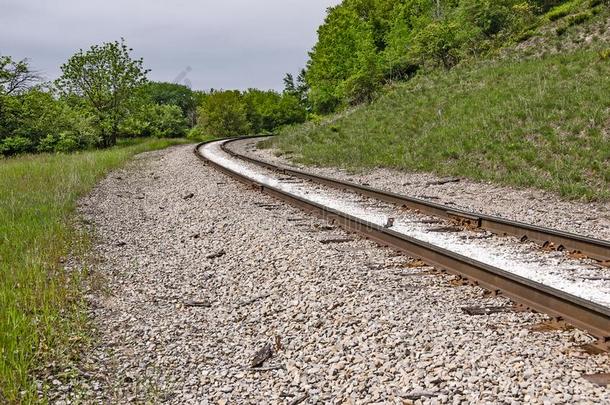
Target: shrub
x,y
161,121
438,43
67,142
561,30
361,88
223,113
563,10
47,144
15,145
579,18
525,35
167,121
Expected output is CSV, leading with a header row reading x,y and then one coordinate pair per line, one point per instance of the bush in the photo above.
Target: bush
x,y
16,145
223,114
562,10
561,30
67,142
39,117
579,18
167,121
438,43
47,144
161,121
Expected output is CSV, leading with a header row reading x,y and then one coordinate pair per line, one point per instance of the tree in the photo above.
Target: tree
x,y
106,76
223,113
298,89
164,93
16,77
159,120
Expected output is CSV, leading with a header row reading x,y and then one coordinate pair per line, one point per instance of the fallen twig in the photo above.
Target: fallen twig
x,y
192,303
220,253
443,181
298,400
268,368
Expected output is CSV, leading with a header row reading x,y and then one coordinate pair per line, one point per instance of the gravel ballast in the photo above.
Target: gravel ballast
x,y
201,277
531,206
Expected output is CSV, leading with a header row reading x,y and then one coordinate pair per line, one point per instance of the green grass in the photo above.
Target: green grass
x,y
42,316
542,122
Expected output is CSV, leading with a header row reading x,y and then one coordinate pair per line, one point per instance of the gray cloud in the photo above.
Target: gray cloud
x,y
227,44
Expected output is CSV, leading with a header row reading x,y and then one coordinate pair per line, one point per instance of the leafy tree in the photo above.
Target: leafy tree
x,y
437,43
16,77
363,44
298,88
223,113
159,120
269,110
48,124
164,93
105,76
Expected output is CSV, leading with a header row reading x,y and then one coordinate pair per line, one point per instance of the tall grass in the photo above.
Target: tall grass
x,y
542,122
42,315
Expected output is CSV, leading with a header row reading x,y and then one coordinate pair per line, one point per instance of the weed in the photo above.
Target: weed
x,y
563,10
42,314
579,18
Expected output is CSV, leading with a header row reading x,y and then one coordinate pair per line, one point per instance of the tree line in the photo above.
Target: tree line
x,y
364,45
104,94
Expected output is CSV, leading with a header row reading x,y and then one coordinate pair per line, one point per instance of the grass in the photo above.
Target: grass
x,y
42,314
542,122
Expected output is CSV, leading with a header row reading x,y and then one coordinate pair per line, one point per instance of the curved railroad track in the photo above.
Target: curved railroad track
x,y
582,313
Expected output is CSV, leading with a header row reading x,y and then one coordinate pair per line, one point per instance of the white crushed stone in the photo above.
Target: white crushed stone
x,y
556,270
356,323
531,206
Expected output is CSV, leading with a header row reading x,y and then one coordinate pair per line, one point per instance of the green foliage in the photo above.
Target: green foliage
x,y
365,44
106,77
232,113
268,110
298,88
42,310
579,18
539,122
223,114
158,120
438,44
164,93
563,10
15,145
37,115
15,76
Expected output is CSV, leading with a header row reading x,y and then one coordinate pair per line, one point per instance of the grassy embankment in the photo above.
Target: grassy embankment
x,y
42,315
536,119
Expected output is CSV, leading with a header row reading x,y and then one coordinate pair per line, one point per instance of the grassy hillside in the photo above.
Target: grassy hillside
x,y
41,309
537,114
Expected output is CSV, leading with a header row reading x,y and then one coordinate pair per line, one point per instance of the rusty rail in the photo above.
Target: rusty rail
x,y
594,248
581,313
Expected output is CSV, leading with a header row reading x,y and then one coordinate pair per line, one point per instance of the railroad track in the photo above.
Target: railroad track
x,y
562,306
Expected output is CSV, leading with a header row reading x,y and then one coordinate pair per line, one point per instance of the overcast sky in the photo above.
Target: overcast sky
x,y
217,43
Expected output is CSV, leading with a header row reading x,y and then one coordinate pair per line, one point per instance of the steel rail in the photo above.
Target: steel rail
x,y
594,248
581,313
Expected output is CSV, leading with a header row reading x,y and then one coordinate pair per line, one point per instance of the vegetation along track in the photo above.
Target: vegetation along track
x,y
582,313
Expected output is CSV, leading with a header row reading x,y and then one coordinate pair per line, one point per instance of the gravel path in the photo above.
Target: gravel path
x,y
199,273
527,205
